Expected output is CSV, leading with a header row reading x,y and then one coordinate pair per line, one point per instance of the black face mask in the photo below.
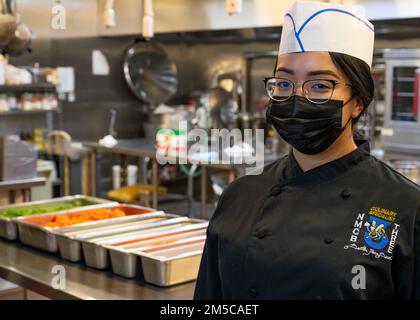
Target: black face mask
x,y
310,128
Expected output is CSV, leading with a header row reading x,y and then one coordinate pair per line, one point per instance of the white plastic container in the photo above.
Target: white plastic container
x,y
132,175
116,177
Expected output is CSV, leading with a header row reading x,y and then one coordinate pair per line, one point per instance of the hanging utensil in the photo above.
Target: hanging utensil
x,y
151,76
9,7
8,21
112,131
21,41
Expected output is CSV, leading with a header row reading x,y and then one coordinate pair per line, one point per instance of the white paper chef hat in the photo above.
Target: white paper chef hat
x,y
316,26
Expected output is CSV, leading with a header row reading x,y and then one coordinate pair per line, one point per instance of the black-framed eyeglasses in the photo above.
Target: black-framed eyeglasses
x,y
317,91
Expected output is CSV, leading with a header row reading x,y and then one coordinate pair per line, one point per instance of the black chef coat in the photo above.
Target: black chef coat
x,y
289,234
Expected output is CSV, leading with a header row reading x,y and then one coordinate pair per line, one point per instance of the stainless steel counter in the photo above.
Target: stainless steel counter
x,y
17,191
25,183
32,269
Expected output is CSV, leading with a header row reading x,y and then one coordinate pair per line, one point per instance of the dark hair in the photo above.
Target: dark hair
x,y
358,73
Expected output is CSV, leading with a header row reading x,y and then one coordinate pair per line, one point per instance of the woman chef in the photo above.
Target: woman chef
x,y
328,220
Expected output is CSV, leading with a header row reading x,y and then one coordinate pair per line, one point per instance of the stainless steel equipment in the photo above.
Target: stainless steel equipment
x,y
410,169
69,240
8,227
174,267
166,249
169,118
149,73
223,109
164,256
150,259
33,233
163,248
402,116
95,250
17,159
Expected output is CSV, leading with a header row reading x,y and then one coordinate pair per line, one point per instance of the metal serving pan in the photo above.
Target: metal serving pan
x,y
8,228
163,240
95,250
126,261
31,231
69,239
170,267
96,255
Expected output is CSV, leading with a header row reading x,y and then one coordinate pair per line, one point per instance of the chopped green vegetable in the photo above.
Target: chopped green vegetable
x,y
21,212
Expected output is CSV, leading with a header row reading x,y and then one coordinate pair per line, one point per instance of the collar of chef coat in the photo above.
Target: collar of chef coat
x,y
291,169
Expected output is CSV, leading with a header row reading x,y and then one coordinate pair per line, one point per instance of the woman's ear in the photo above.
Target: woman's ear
x,y
357,107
